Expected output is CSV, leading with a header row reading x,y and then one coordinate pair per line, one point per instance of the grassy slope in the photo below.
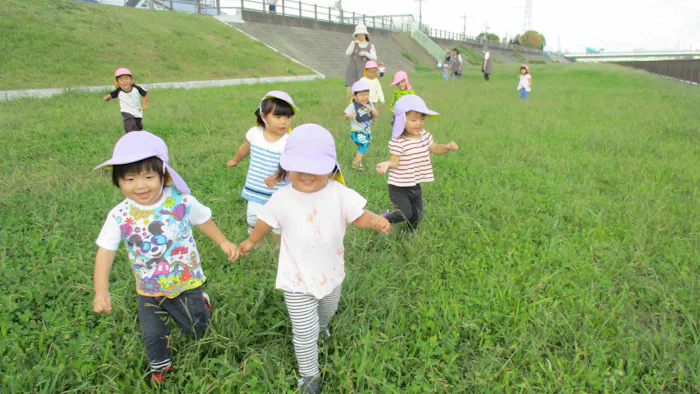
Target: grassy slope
x,y
60,43
558,253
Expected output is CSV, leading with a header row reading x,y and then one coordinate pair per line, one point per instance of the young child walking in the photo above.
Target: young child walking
x,y
382,70
403,87
155,222
361,112
409,164
525,85
313,212
265,143
129,95
376,94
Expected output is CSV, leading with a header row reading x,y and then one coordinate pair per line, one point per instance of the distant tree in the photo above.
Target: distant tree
x,y
532,39
488,36
516,39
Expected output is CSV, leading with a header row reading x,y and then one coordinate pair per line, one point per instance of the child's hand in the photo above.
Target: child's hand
x,y
102,302
383,167
231,163
107,97
246,247
270,181
143,108
380,223
452,146
362,53
230,249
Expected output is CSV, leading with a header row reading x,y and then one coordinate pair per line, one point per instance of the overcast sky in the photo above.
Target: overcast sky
x,y
608,24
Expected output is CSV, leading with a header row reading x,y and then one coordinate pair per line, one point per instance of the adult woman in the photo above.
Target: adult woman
x,y
360,51
486,66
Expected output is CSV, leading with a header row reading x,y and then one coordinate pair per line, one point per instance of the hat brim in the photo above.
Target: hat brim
x,y
309,165
400,122
296,109
115,161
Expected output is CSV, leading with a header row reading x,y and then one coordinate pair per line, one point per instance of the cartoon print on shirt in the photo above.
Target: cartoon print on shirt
x,y
150,250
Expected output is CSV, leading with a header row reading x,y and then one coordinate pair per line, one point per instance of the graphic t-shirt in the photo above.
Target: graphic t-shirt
x,y
159,241
264,161
362,113
313,227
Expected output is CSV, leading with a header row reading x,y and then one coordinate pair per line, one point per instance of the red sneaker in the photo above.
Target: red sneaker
x,y
158,377
207,303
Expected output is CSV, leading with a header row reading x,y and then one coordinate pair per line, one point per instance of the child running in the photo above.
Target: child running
x,y
313,212
155,221
403,87
361,112
409,164
129,95
525,85
376,94
265,143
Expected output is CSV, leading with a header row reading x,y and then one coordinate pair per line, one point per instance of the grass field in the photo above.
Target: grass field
x,y
60,43
559,252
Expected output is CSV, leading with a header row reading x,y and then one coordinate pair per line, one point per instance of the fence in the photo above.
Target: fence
x,y
448,35
429,45
682,70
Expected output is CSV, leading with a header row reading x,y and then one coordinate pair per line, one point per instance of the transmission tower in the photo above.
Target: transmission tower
x,y
527,19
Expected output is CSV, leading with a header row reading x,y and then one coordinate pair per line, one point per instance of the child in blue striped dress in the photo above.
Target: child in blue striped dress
x,y
265,143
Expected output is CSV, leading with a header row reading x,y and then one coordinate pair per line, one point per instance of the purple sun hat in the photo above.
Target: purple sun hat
x,y
139,145
360,86
311,149
409,102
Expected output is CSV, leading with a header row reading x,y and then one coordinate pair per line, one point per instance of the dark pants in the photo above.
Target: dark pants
x,y
486,77
408,202
132,123
189,312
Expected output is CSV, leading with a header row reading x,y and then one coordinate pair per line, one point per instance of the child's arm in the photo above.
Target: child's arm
x,y
103,264
440,149
372,110
242,152
372,221
384,166
112,95
259,232
530,80
349,116
210,229
145,102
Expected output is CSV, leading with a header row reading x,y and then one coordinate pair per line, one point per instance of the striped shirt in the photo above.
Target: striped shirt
x,y
264,161
414,160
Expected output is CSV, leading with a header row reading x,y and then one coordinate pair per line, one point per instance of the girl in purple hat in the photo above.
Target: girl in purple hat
x,y
265,143
155,222
409,164
313,212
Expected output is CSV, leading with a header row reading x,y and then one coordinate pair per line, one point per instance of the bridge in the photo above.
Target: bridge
x,y
651,56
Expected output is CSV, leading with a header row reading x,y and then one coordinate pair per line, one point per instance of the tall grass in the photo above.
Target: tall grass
x,y
559,252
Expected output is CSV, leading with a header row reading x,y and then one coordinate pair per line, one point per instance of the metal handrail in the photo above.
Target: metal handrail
x,y
429,45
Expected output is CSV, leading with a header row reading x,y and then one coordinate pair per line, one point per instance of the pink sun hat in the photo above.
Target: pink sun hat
x,y
121,71
400,76
371,64
139,145
526,67
409,102
310,148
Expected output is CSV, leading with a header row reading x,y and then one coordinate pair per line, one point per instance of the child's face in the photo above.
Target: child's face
x,y
307,183
143,187
415,123
372,73
403,85
277,124
362,97
125,82
523,71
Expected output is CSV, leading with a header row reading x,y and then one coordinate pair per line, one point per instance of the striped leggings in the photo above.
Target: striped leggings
x,y
310,316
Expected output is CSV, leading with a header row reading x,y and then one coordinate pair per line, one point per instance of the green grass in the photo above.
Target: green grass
x,y
408,56
472,57
60,43
559,252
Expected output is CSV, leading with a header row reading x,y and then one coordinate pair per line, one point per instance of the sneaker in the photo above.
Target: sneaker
x,y
207,302
386,214
324,335
358,166
157,377
310,385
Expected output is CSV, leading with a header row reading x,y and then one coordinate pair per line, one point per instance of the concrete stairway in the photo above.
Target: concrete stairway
x,y
416,51
323,50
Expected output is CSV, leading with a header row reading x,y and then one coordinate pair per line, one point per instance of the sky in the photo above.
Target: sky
x,y
609,24
572,26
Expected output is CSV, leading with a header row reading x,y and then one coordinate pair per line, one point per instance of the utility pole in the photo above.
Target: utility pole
x,y
420,14
464,31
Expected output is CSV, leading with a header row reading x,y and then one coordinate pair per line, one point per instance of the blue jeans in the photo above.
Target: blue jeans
x,y
524,94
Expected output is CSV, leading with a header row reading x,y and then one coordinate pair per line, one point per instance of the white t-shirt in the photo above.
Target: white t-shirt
x,y
376,94
525,82
313,227
487,55
130,102
164,256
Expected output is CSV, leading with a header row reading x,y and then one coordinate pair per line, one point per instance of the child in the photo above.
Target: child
x,y
264,143
446,71
382,70
403,87
155,221
360,112
376,94
409,164
313,212
525,84
129,100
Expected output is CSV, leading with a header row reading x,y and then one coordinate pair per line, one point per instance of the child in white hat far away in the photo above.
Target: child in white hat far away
x,y
409,164
313,212
361,113
265,143
155,222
